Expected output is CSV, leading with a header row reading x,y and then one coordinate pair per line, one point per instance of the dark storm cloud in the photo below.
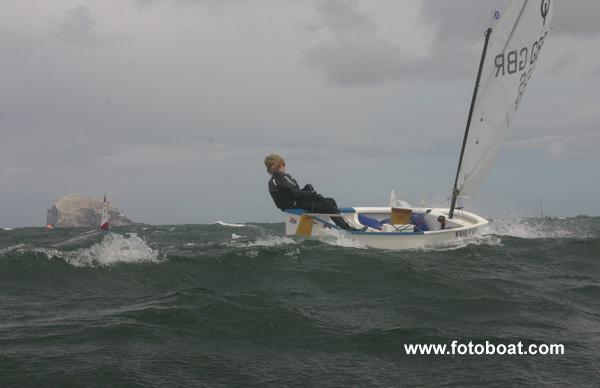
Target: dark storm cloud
x,y
462,19
142,4
459,20
356,54
351,61
15,49
343,15
577,17
77,26
460,25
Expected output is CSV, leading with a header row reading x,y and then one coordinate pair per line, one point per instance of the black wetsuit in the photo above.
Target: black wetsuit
x,y
287,194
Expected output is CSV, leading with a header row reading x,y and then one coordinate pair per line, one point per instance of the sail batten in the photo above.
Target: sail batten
x,y
515,26
511,56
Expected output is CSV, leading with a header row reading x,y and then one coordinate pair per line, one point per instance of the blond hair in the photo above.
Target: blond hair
x,y
273,162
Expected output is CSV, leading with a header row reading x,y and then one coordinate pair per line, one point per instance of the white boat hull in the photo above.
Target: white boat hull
x,y
463,225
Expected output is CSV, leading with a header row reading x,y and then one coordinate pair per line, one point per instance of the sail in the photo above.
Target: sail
x,y
397,203
513,50
104,221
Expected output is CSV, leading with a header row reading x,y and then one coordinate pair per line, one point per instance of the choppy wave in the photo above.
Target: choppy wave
x,y
85,236
113,249
267,241
478,240
203,305
538,228
11,248
342,239
231,225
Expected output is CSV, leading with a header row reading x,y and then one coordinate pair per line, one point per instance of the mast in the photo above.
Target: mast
x,y
455,190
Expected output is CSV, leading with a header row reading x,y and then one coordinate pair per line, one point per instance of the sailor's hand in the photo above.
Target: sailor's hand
x,y
308,187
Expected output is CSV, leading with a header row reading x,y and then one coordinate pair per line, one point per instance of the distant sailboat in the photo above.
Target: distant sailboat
x,y
104,222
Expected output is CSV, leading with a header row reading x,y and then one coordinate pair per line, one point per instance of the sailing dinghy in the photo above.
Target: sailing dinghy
x,y
104,221
511,51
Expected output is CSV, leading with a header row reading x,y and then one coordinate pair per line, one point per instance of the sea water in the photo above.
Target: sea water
x,y
242,305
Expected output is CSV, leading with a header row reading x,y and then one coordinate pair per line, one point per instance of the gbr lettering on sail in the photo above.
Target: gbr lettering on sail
x,y
523,60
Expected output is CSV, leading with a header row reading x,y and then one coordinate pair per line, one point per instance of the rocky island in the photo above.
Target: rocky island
x,y
76,210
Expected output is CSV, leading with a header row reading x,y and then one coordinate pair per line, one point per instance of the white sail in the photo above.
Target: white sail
x,y
512,54
397,203
104,221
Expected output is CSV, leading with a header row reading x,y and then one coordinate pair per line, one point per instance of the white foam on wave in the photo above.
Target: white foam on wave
x,y
11,248
268,241
342,239
222,223
50,253
533,229
478,240
251,248
7,229
294,253
113,249
81,237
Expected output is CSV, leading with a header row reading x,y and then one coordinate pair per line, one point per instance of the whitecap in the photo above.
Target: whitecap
x,y
269,241
11,248
222,223
342,239
478,240
81,237
534,228
293,253
113,249
50,253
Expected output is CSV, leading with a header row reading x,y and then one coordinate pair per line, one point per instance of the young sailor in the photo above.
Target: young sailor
x,y
286,193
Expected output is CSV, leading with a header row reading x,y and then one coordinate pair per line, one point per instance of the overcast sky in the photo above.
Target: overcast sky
x,y
171,105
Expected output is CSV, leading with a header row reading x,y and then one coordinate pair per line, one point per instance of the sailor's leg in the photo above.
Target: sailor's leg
x,y
342,223
325,206
329,206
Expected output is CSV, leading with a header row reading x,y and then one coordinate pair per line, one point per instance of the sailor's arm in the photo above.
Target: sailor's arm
x,y
292,190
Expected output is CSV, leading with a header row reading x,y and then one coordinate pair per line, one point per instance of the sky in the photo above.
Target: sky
x,y
170,106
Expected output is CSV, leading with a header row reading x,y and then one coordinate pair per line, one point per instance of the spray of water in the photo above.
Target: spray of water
x,y
113,249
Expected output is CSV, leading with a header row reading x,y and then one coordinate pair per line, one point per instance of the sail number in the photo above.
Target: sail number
x,y
465,233
523,61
